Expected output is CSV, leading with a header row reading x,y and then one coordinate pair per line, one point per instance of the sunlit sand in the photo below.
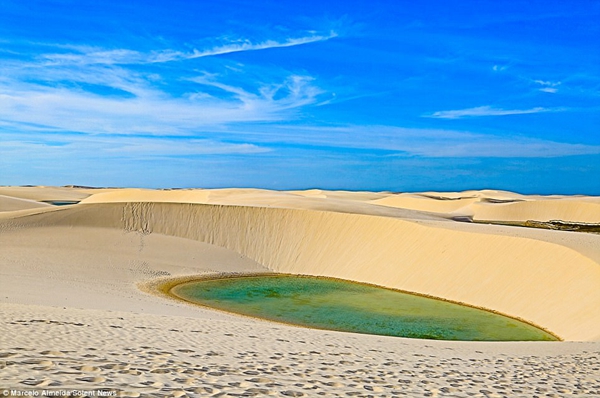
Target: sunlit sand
x,y
81,307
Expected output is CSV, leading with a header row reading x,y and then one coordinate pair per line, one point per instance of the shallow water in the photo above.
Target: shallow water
x,y
352,307
61,202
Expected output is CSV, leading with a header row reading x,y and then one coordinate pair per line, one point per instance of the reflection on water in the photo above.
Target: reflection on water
x,y
346,306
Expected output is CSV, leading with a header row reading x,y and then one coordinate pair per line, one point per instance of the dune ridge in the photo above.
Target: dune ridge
x,y
487,205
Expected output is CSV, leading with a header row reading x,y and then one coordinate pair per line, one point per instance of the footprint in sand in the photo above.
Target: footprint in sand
x,y
53,353
36,362
333,384
160,371
259,392
291,393
44,365
89,379
373,388
130,372
259,380
114,366
36,383
188,382
7,354
87,368
128,394
151,383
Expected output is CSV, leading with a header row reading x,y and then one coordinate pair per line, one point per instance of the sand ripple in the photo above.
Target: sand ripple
x,y
214,359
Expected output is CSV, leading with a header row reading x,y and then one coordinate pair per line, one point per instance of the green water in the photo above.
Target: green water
x,y
346,306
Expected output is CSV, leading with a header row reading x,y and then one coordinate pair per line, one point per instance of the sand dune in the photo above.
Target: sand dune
x,y
8,203
458,206
523,278
570,210
500,206
261,198
42,194
77,271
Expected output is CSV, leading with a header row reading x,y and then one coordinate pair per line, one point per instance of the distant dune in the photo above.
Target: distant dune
x,y
8,203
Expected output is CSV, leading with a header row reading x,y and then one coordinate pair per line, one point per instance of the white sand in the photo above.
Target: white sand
x,y
76,313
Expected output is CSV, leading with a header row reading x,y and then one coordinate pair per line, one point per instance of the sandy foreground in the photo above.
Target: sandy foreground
x,y
79,315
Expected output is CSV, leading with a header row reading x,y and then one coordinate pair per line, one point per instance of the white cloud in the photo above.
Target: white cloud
x,y
471,146
95,90
547,83
548,86
73,110
55,144
135,146
433,143
98,96
485,111
85,55
41,99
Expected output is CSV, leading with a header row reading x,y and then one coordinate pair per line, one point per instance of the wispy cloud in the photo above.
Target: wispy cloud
x,y
485,146
154,112
279,140
485,111
547,83
85,55
129,103
46,144
98,91
422,142
548,86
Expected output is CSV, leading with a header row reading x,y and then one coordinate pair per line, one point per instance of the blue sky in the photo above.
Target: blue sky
x,y
363,95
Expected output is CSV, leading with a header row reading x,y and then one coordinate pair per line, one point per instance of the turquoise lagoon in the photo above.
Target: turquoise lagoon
x,y
334,304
